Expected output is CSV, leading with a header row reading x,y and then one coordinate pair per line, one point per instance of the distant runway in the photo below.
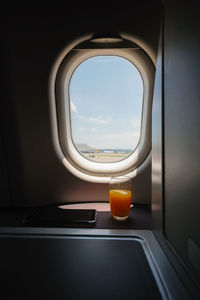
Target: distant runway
x,y
106,157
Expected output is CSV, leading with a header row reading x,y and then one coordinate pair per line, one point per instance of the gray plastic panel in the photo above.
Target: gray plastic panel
x,y
181,132
76,268
166,276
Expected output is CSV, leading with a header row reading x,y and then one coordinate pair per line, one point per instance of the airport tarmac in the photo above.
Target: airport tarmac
x,y
105,157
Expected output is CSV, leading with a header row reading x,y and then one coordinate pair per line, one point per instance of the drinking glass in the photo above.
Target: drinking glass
x,y
120,197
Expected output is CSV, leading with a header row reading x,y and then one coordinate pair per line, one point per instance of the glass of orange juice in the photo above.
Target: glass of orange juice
x,y
120,197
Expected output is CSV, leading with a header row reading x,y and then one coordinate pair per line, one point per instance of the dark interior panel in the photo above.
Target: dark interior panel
x,y
157,144
5,194
181,131
76,268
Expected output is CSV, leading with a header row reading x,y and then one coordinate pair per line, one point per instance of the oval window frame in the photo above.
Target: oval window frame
x,y
60,77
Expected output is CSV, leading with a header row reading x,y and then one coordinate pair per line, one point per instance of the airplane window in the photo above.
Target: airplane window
x,y
101,93
106,97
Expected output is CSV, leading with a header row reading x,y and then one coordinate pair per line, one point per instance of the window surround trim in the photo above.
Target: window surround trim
x,y
70,157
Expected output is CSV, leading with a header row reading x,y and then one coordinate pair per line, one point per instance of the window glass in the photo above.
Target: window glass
x,y
106,97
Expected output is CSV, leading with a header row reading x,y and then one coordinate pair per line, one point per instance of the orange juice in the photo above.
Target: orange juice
x,y
120,201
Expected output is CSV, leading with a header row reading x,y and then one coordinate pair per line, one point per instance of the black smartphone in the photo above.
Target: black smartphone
x,y
58,217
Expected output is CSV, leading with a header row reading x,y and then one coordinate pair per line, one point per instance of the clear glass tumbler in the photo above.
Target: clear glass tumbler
x,y
120,197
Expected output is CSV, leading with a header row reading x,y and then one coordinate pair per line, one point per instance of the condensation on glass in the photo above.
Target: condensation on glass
x,y
106,100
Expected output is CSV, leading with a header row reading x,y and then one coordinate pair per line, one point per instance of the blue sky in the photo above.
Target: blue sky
x,y
106,95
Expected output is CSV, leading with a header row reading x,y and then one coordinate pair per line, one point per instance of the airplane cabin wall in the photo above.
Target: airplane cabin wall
x,y
33,38
176,137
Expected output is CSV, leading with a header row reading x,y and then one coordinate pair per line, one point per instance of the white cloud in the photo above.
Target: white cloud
x,y
100,120
126,139
135,122
108,59
73,107
93,129
81,129
81,117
